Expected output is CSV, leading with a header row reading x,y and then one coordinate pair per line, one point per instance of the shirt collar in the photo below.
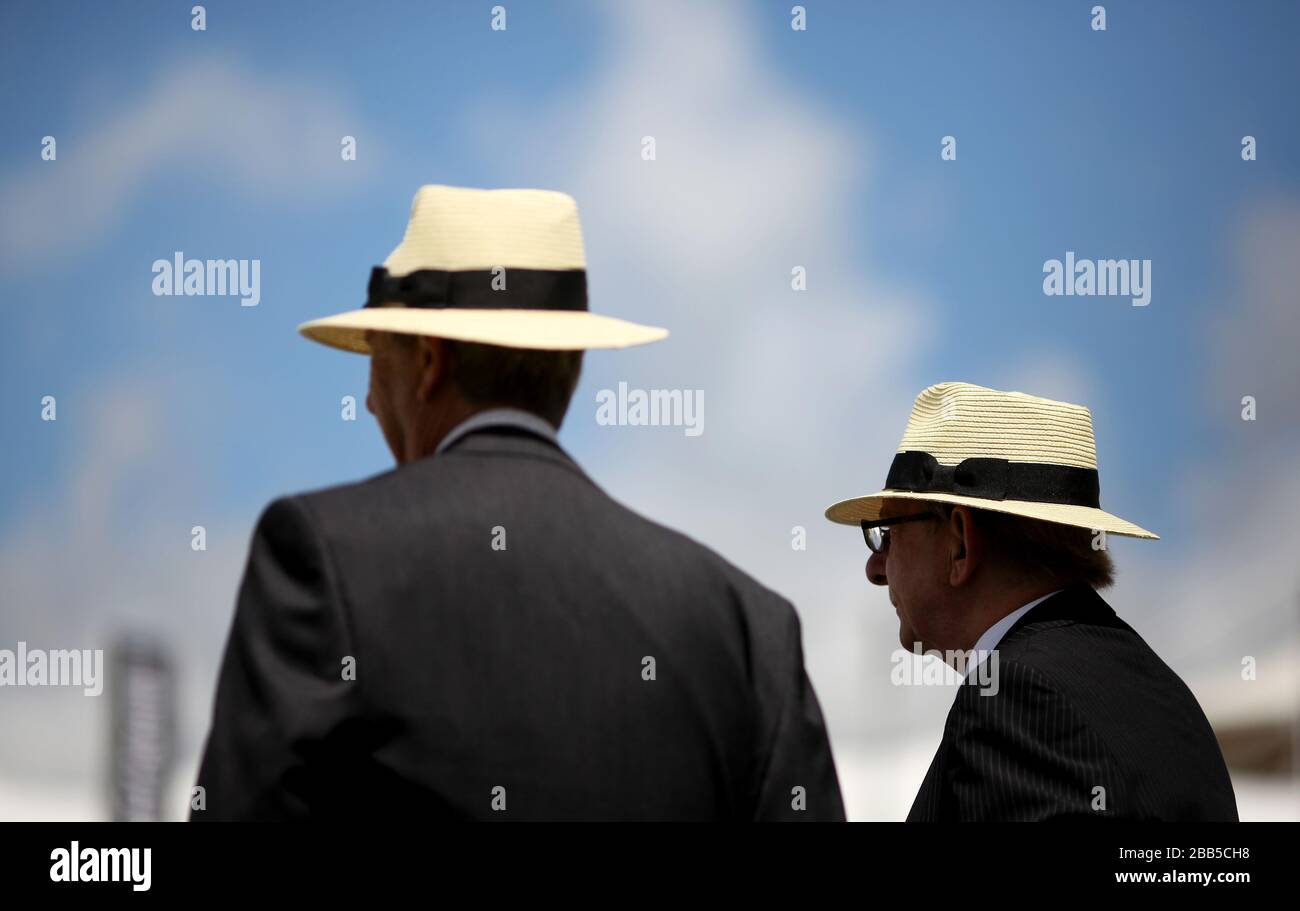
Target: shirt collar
x,y
993,635
499,417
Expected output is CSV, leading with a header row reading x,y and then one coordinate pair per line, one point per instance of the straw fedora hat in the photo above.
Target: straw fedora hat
x,y
1002,451
501,267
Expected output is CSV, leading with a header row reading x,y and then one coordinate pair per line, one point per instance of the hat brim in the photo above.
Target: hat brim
x,y
851,512
549,330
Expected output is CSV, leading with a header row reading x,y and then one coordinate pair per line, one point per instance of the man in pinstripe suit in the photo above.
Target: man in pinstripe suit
x,y
990,537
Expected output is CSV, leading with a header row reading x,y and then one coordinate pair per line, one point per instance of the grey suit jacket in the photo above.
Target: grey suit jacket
x,y
521,647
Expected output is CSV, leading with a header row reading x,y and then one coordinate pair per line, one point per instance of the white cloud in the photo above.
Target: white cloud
x,y
1235,591
1050,374
806,393
265,134
107,554
1255,334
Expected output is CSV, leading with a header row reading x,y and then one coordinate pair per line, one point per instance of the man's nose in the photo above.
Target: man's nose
x,y
876,570
369,404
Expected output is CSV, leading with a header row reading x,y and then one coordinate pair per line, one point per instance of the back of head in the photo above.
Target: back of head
x,y
538,381
1043,551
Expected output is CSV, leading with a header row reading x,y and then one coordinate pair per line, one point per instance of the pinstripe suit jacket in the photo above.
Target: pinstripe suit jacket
x,y
1082,704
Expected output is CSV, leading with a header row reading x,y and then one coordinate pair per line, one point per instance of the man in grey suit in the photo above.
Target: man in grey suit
x,y
481,632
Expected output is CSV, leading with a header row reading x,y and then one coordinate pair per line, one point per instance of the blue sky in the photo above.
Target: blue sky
x,y
775,148
1122,143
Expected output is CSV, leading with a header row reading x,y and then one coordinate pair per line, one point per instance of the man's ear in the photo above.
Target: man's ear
x,y
965,546
430,366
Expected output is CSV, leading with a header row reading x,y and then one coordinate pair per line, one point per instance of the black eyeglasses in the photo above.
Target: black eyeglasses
x,y
876,531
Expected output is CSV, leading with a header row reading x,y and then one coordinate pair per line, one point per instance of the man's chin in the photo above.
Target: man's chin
x,y
907,639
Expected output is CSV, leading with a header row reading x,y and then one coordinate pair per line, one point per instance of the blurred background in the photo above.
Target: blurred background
x,y
775,148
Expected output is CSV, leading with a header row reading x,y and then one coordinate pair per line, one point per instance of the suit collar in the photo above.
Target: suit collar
x,y
510,441
498,417
1073,604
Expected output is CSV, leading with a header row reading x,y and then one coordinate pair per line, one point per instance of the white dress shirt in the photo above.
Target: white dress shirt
x,y
496,417
993,635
